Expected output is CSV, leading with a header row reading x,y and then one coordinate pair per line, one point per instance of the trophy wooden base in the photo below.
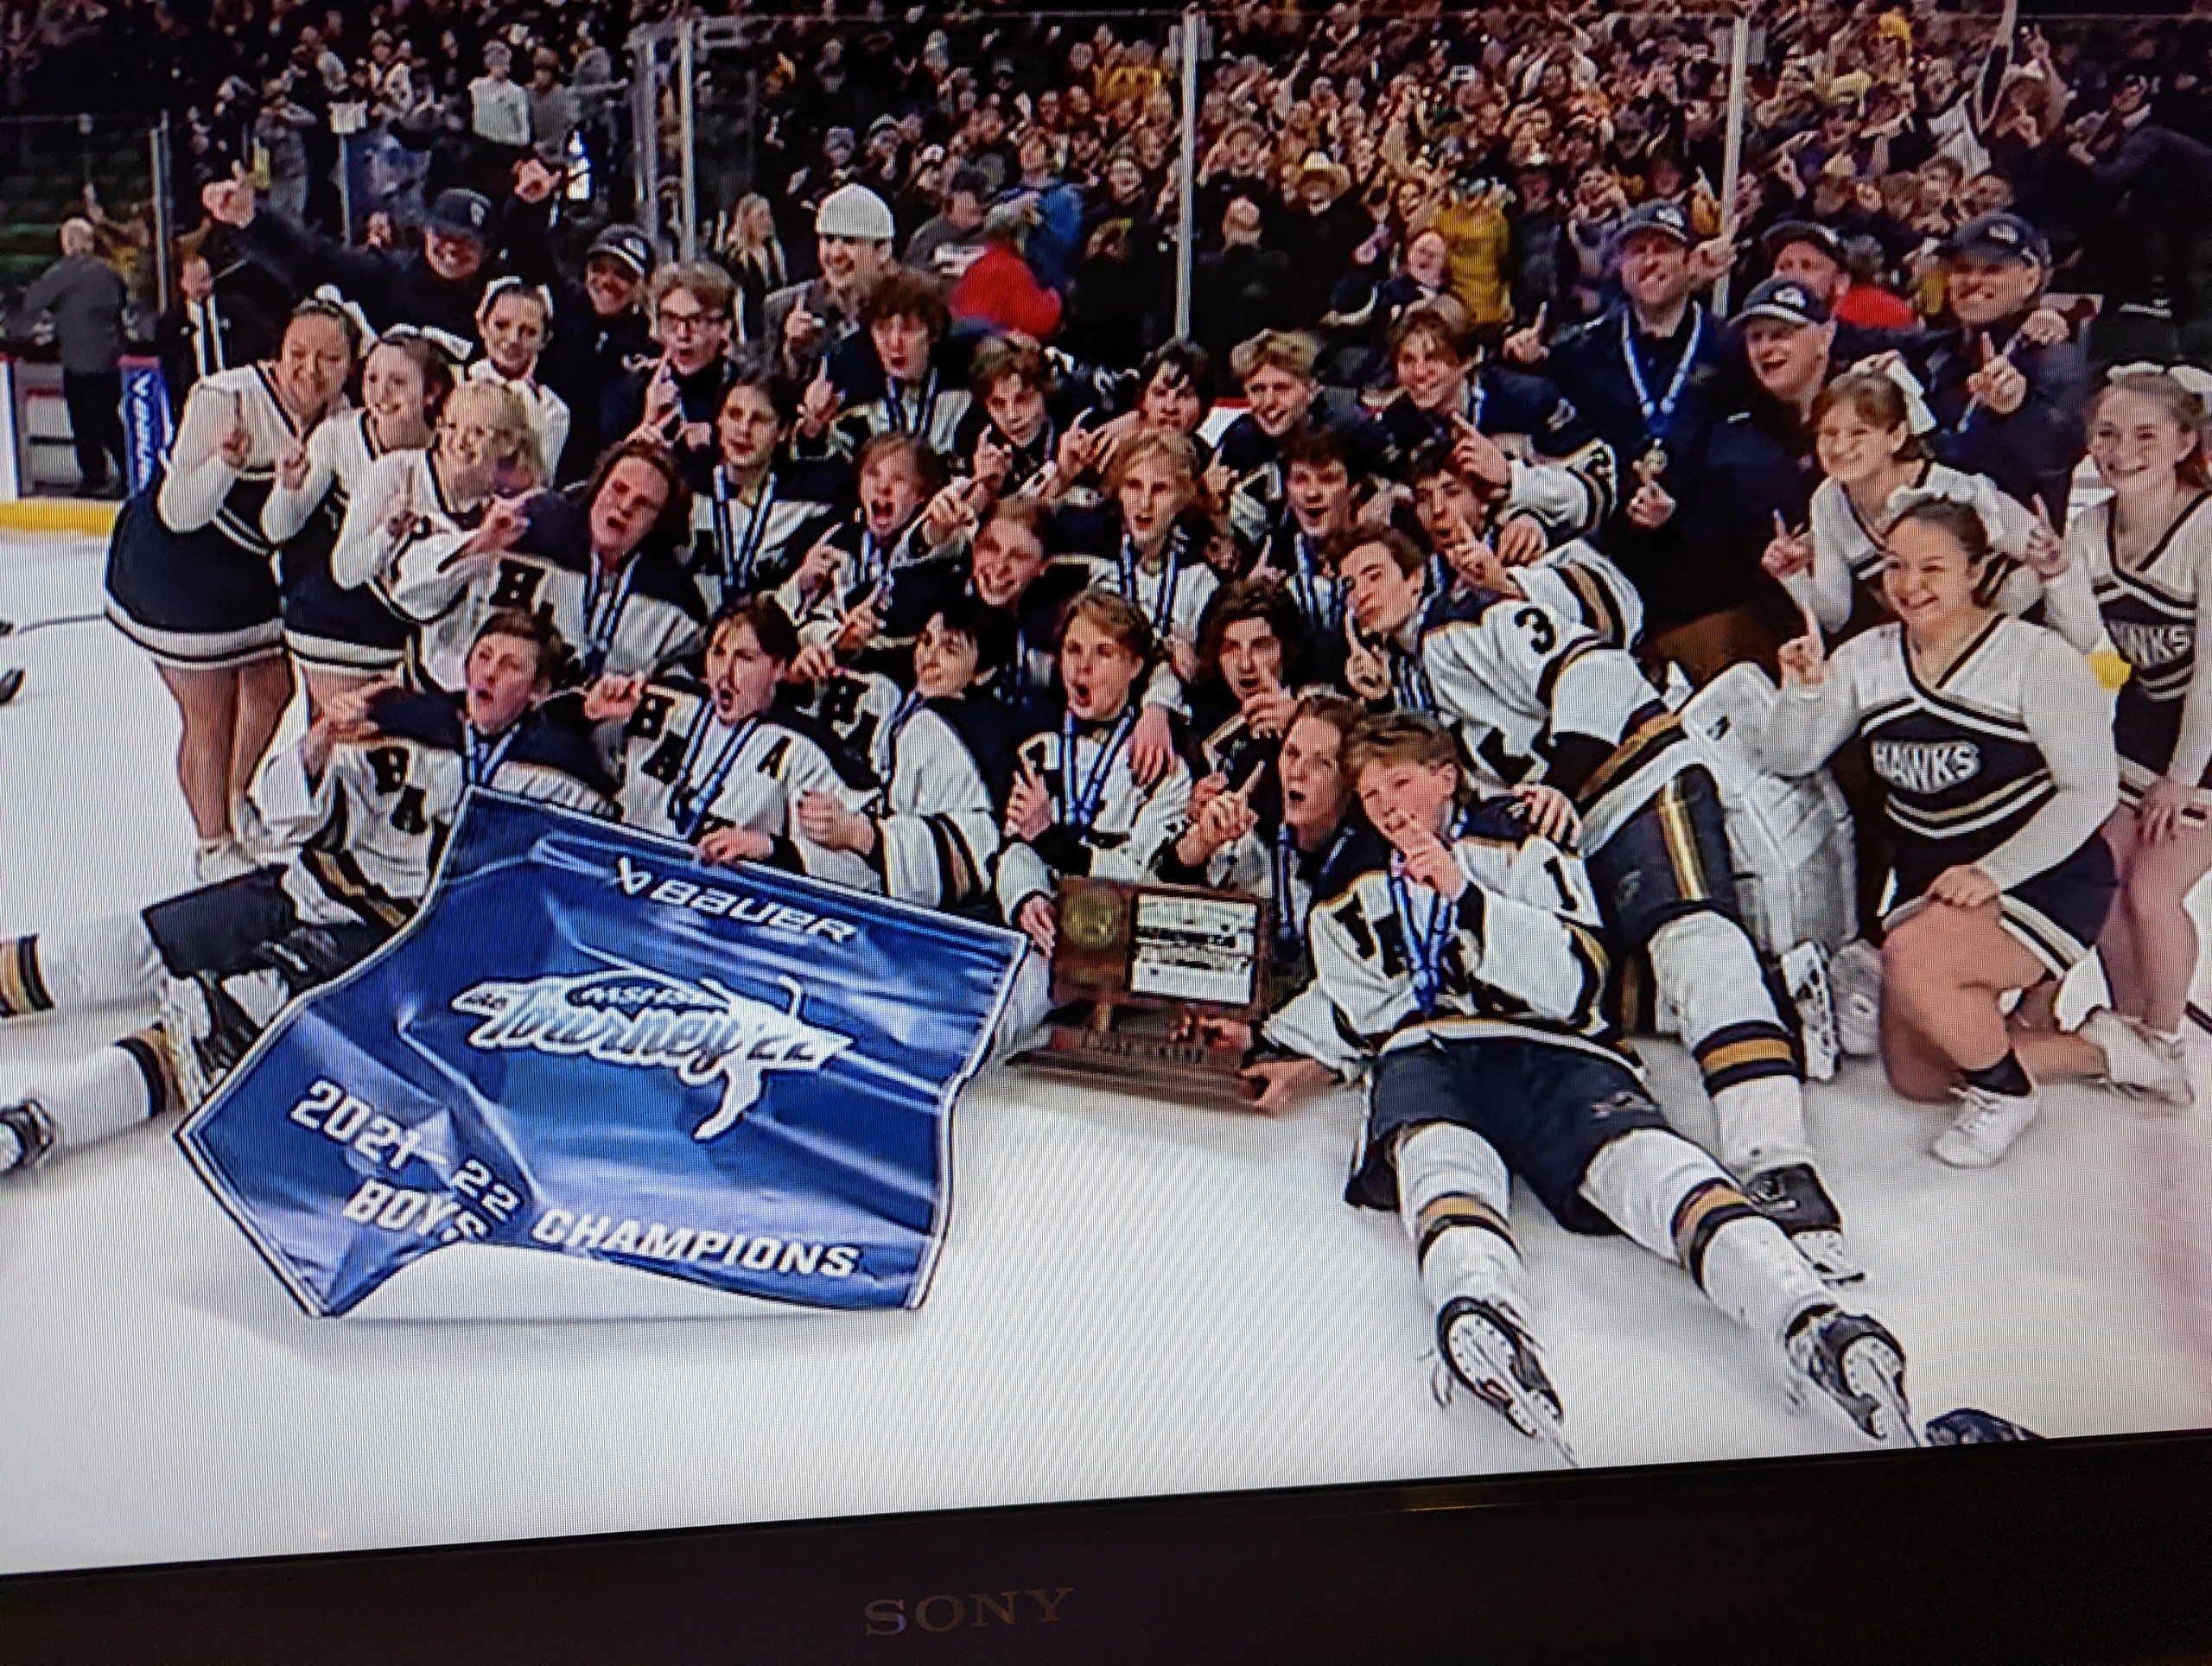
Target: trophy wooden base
x,y
1142,1052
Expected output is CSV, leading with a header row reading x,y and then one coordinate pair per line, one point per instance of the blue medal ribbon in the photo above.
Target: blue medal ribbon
x,y
1162,618
603,605
479,765
1080,806
1659,418
689,801
738,555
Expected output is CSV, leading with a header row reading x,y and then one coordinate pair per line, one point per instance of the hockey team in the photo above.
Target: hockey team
x,y
944,614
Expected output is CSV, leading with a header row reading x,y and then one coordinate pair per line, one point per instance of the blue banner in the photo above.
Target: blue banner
x,y
587,1044
145,420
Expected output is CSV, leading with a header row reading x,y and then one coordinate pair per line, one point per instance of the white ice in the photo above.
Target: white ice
x,y
1135,1298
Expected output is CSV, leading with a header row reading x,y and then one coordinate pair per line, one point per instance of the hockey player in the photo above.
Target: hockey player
x,y
847,584
1319,508
339,634
1467,967
189,576
1252,665
721,769
1535,697
908,387
1572,577
605,569
940,755
1077,806
758,514
1992,736
514,320
367,798
1559,478
1283,396
2148,554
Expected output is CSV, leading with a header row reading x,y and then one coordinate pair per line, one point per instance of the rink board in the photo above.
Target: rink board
x,y
1133,1298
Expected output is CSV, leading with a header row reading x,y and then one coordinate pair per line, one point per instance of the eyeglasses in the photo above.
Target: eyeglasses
x,y
686,323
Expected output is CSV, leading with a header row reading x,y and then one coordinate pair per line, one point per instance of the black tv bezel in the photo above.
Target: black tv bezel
x,y
2076,1550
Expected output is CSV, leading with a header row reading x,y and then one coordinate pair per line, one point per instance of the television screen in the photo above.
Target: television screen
x,y
797,768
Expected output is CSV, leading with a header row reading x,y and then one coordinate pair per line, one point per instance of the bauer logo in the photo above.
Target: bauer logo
x,y
647,1021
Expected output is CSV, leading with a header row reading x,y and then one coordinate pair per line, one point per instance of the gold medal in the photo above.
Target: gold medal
x,y
1651,465
1092,919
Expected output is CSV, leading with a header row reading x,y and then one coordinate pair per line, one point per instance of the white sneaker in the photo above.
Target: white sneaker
x,y
1985,1127
1855,989
1805,973
2135,1065
214,860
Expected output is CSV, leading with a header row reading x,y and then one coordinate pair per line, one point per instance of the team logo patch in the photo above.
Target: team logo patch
x,y
702,1031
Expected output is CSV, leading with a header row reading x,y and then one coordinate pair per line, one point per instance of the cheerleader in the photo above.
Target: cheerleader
x,y
190,574
1990,734
341,636
1869,426
406,499
2147,553
514,321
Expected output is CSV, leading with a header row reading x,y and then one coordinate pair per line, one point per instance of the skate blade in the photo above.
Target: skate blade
x,y
1527,1416
1873,1371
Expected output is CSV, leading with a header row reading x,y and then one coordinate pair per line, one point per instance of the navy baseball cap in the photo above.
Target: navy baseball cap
x,y
627,244
2000,237
1803,231
1786,301
461,213
1667,218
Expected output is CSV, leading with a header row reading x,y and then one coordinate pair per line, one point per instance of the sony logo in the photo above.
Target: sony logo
x,y
887,1617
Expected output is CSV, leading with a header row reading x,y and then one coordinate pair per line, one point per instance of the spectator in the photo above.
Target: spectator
x,y
1241,286
85,297
999,290
949,241
498,110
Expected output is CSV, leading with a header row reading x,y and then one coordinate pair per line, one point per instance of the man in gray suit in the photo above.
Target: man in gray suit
x,y
86,297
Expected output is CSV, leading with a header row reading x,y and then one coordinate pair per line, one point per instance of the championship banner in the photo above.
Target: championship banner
x,y
145,420
588,1045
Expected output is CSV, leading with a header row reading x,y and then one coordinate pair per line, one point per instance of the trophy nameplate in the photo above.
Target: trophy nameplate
x,y
1139,970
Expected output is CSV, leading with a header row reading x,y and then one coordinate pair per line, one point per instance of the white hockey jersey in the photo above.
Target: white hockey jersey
x,y
365,836
686,774
1104,824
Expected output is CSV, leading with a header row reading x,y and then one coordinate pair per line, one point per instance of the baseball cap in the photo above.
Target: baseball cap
x,y
2000,237
854,211
1781,236
1786,301
627,244
461,213
1667,218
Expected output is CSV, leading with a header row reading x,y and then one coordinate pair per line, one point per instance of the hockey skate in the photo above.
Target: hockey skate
x,y
1855,992
1793,1198
25,1136
1859,1367
1805,973
1484,1349
2135,1066
206,1034
1985,1127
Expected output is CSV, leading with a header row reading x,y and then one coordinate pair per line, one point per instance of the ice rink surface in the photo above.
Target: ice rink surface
x,y
1134,1299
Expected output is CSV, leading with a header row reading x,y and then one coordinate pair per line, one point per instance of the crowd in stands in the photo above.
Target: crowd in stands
x,y
900,539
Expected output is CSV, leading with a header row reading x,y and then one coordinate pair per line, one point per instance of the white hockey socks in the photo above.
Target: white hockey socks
x,y
1674,1200
1708,971
1453,1193
95,963
117,1088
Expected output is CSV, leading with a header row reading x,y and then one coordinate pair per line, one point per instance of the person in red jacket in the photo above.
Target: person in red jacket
x,y
998,289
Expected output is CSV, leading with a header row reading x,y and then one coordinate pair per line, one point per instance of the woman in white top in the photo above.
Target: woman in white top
x,y
190,574
1990,736
514,320
435,497
1867,425
342,636
2146,554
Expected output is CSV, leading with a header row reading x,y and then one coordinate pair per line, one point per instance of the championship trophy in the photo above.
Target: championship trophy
x,y
1150,982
